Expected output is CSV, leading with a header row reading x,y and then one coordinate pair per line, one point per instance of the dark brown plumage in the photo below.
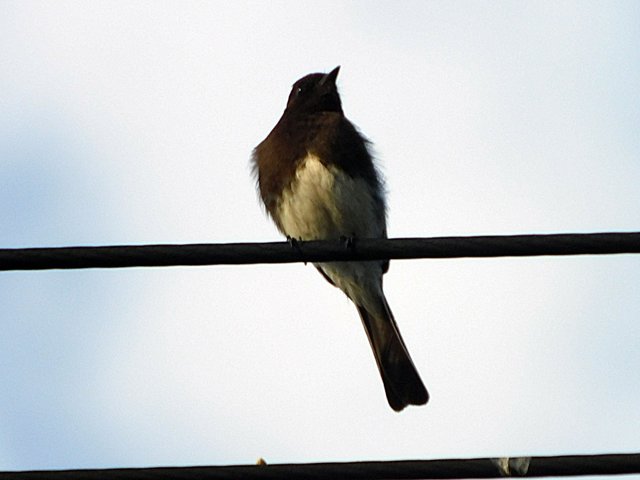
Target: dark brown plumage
x,y
317,180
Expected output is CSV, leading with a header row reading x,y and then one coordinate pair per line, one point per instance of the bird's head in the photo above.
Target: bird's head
x,y
316,92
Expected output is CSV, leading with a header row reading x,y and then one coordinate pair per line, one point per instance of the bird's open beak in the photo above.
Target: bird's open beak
x,y
331,76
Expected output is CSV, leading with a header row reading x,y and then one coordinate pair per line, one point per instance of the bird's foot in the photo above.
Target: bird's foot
x,y
349,242
295,245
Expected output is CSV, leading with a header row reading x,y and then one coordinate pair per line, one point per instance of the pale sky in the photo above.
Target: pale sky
x,y
133,123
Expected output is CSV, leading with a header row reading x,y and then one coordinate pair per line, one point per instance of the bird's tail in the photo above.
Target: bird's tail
x,y
402,382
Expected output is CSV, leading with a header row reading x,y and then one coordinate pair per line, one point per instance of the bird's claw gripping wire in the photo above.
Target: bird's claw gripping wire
x,y
295,245
349,241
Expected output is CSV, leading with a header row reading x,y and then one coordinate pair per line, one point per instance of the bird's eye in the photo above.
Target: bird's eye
x,y
298,91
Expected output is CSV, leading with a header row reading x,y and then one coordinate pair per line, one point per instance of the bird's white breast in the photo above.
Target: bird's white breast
x,y
324,202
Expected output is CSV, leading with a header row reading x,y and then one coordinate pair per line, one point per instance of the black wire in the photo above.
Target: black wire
x,y
282,252
571,465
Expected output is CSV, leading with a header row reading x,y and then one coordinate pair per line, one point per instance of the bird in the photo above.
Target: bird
x,y
317,180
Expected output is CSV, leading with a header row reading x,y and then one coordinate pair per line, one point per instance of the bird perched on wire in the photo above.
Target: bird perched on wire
x,y
318,181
